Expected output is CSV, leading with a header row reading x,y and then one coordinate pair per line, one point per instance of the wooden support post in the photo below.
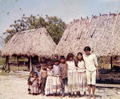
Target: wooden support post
x,y
31,68
111,62
17,63
7,67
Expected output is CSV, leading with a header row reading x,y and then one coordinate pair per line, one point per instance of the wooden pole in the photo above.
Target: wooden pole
x,y
111,62
31,63
17,63
7,67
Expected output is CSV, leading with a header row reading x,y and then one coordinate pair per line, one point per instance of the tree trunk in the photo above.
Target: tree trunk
x,y
17,63
7,67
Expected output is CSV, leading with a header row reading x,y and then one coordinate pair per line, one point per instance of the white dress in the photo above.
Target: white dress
x,y
72,77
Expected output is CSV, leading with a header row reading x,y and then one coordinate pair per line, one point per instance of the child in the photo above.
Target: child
x,y
72,75
37,70
43,78
30,82
49,82
63,74
56,79
91,65
81,73
35,83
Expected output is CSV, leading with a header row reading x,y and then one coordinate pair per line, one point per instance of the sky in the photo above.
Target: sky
x,y
67,10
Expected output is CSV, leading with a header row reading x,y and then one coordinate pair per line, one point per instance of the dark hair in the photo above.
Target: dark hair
x,y
70,55
49,64
62,57
56,60
79,53
87,48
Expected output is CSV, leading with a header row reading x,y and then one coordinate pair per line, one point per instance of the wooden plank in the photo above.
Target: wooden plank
x,y
108,85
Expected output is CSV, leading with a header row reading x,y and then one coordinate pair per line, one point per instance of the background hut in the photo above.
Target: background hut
x,y
101,33
30,43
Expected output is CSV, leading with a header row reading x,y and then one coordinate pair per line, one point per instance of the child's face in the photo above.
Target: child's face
x,y
62,60
50,67
35,76
87,52
71,58
43,67
56,63
38,69
79,57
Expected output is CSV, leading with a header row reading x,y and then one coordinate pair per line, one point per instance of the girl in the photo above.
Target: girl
x,y
82,81
56,78
72,75
49,82
30,82
35,84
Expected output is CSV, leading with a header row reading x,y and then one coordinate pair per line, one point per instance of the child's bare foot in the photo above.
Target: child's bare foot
x,y
89,97
93,97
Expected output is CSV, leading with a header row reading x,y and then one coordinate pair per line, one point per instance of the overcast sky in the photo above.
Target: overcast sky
x,y
67,10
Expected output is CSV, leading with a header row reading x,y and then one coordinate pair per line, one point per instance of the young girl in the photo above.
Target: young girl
x,y
56,79
72,75
49,82
82,81
30,82
35,84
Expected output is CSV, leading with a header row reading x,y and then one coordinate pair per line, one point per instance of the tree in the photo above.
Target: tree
x,y
54,26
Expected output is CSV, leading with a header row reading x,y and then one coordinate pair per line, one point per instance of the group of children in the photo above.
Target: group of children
x,y
52,77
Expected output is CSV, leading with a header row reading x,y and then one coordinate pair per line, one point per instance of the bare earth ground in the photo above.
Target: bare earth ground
x,y
14,86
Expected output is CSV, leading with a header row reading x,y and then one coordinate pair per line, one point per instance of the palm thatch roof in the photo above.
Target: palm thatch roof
x,y
30,43
101,33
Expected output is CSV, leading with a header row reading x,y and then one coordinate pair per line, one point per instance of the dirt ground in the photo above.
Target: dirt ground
x,y
14,86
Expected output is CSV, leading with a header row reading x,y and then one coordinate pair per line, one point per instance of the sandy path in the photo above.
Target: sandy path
x,y
15,87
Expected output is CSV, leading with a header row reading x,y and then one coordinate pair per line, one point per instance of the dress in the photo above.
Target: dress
x,y
82,81
34,86
49,82
56,79
72,77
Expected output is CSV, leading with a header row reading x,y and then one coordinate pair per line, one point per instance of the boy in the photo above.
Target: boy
x,y
91,69
63,74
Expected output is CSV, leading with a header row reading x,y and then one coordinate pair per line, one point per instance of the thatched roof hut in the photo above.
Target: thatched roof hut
x,y
101,33
30,43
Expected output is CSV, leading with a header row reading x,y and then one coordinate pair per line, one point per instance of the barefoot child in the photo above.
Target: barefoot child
x,y
30,81
63,74
49,81
91,65
72,75
43,78
56,79
81,74
35,83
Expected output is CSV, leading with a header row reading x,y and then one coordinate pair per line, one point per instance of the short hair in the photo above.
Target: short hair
x,y
62,57
87,48
70,55
56,60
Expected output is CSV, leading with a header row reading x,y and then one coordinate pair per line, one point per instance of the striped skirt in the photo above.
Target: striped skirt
x,y
56,85
82,81
72,81
49,85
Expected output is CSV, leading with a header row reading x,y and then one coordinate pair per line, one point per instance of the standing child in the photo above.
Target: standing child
x,y
35,83
82,81
63,74
43,78
30,81
49,82
56,79
72,75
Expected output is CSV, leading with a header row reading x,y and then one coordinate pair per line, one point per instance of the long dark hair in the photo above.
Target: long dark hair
x,y
70,55
76,62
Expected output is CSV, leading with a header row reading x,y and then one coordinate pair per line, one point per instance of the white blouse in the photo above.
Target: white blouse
x,y
81,66
71,65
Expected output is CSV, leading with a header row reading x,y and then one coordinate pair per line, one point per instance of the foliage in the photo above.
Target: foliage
x,y
54,26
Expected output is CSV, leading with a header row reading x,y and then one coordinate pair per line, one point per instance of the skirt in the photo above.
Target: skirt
x,y
82,81
56,84
35,87
49,85
72,81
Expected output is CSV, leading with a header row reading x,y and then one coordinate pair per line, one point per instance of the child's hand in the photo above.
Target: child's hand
x,y
97,74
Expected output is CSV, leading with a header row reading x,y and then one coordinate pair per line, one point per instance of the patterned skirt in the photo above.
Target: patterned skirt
x,y
72,81
56,85
82,81
35,87
49,85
